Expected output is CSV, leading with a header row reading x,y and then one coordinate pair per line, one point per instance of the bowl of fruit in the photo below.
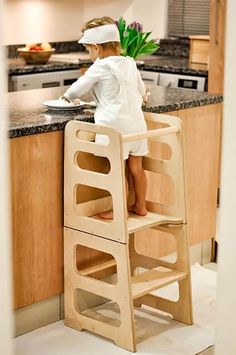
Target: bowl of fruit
x,y
36,53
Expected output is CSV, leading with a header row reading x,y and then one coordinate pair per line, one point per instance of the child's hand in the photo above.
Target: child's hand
x,y
64,98
147,94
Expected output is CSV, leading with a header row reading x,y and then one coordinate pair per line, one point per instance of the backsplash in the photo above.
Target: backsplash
x,y
174,47
60,47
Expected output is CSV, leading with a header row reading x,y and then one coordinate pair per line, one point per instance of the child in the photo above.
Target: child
x,y
117,88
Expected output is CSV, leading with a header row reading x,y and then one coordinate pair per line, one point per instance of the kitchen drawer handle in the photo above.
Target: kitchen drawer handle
x,y
51,84
147,79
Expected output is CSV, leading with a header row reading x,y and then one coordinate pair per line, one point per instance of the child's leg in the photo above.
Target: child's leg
x,y
109,214
140,184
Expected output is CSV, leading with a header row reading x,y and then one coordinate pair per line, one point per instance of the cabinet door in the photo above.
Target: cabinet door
x,y
149,77
201,129
37,216
217,36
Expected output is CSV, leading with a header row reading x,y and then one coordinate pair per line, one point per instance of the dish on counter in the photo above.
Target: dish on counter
x,y
36,53
63,105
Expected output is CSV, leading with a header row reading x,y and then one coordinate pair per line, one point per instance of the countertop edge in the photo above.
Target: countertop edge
x,y
58,126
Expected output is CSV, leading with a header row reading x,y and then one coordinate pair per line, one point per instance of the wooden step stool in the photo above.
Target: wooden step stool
x,y
100,255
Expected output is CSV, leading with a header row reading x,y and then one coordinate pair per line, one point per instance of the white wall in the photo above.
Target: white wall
x,y
226,291
5,238
151,13
61,20
29,21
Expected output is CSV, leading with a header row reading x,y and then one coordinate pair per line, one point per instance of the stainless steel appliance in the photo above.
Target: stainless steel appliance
x,y
182,81
43,80
174,80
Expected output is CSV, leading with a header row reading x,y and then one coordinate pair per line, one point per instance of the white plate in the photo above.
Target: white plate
x,y
62,105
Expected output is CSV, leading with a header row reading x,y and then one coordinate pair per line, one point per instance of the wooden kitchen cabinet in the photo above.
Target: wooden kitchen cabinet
x,y
217,43
37,216
199,49
201,149
37,202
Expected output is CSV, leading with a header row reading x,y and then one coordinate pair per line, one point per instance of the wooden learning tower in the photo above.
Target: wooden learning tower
x,y
102,263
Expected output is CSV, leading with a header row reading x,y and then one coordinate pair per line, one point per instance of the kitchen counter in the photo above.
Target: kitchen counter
x,y
163,64
17,66
28,116
176,65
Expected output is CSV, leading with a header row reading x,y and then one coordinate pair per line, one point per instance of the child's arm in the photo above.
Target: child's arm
x,y
143,90
83,84
141,85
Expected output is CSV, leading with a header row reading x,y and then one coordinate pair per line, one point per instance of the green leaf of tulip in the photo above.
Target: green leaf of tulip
x,y
134,43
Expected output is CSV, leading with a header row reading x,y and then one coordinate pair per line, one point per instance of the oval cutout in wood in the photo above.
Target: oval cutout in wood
x,y
96,307
91,162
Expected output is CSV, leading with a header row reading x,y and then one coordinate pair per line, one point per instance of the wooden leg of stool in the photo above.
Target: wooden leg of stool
x,y
184,310
133,262
71,315
181,310
132,254
126,331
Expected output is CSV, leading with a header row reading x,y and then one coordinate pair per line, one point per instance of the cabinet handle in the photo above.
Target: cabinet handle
x,y
216,34
51,84
147,79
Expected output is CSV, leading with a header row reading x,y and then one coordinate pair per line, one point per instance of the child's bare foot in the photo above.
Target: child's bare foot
x,y
106,215
141,211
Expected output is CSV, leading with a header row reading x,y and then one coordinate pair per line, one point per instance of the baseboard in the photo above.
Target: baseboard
x,y
37,315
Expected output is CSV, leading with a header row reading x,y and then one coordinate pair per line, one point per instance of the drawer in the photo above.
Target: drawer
x,y
150,77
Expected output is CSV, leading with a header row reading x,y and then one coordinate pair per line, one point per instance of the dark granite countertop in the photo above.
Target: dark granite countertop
x,y
27,116
165,64
175,65
17,66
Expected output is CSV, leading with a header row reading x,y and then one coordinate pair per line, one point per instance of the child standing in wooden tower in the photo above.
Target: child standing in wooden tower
x,y
118,89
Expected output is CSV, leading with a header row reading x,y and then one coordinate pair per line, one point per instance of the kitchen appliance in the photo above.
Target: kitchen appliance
x,y
43,80
182,81
150,77
174,80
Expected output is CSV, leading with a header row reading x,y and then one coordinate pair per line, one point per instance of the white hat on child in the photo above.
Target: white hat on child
x,y
101,34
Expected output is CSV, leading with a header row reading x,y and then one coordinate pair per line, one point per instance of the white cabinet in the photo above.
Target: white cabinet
x,y
43,80
150,77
